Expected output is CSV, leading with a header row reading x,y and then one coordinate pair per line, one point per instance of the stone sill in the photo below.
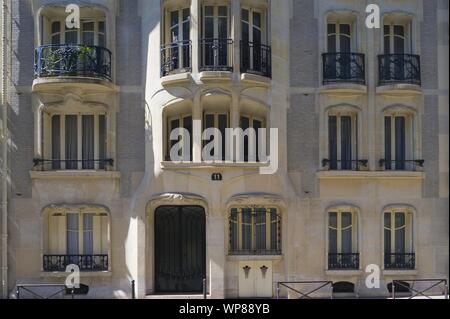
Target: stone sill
x,y
176,78
350,272
75,174
399,88
370,174
85,274
398,272
344,88
46,84
256,79
192,165
254,257
215,75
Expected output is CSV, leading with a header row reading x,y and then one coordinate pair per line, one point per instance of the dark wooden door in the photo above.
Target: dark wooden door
x,y
180,249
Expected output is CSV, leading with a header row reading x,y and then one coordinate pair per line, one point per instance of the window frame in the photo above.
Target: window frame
x,y
168,121
63,29
409,229
354,115
354,226
337,34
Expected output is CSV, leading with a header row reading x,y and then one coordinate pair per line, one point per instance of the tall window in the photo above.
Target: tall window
x,y
394,39
216,33
92,32
398,239
342,239
220,122
177,49
342,141
254,123
255,231
183,122
253,36
78,141
339,41
399,141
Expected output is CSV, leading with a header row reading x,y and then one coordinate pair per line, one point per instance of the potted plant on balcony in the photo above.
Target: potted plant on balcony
x,y
85,60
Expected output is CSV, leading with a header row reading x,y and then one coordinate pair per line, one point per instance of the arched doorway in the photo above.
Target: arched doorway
x,y
180,249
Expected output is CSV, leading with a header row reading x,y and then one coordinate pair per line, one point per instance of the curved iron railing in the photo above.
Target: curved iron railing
x,y
216,54
256,59
343,261
84,262
176,56
349,165
58,164
343,67
401,165
72,60
399,68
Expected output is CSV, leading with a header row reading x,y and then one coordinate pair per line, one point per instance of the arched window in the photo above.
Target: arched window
x,y
398,238
342,238
255,231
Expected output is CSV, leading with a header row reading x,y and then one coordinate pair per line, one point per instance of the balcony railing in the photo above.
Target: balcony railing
x,y
216,55
343,261
344,165
89,164
399,261
72,60
256,59
260,252
401,165
176,57
84,262
399,68
343,68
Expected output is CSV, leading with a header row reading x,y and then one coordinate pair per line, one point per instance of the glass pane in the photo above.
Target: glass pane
x,y
245,15
209,28
72,234
332,141
88,238
257,19
101,27
346,142
187,124
245,124
56,27
223,124
174,124
399,40
246,229
234,230
387,142
400,233
209,123
346,238
399,30
209,11
101,140
88,141
332,241
346,220
186,14
88,38
331,43
274,229
56,142
88,26
400,143
173,19
331,28
223,11
260,220
223,29
72,37
344,29
101,40
387,233
387,42
71,142
56,39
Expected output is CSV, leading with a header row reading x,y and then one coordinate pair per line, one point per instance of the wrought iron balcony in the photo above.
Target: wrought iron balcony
x,y
72,60
343,261
89,164
342,67
258,252
216,55
84,262
176,57
256,59
399,68
344,165
401,165
399,261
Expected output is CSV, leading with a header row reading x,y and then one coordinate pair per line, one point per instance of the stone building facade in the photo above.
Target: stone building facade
x,y
362,119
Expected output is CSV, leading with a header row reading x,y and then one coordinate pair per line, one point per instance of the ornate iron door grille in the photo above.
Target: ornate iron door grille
x,y
180,249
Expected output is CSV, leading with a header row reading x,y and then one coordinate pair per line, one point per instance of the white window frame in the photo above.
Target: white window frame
x,y
62,30
216,17
337,33
355,131
406,37
169,120
80,136
409,229
354,226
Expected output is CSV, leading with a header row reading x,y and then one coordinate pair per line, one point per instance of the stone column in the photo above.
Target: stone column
x,y
236,35
195,33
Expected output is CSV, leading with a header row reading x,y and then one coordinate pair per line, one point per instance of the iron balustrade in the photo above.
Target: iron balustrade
x,y
70,164
399,260
401,165
349,165
176,57
260,252
399,68
72,60
216,54
343,261
84,262
256,59
342,67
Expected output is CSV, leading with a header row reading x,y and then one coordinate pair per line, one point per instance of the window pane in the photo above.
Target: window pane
x,y
72,234
101,40
260,228
88,238
346,142
245,124
245,15
400,145
387,233
399,30
274,230
223,29
56,142
71,142
256,126
209,123
400,233
101,27
332,241
234,230
56,27
257,19
88,141
223,123
187,124
246,229
173,19
387,142
332,222
387,42
344,29
332,141
101,140
344,38
209,28
71,37
209,11
331,28
223,11
346,235
399,40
